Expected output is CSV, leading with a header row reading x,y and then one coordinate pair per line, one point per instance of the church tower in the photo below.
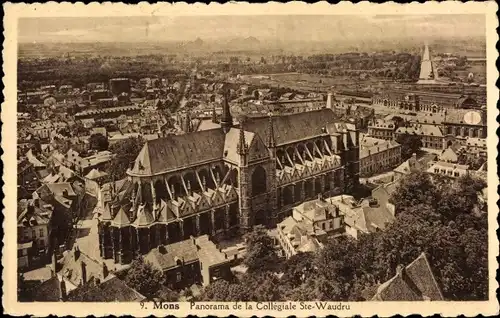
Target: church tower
x,y
226,121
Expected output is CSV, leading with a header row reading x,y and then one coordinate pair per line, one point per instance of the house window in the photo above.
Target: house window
x,y
323,225
41,233
179,276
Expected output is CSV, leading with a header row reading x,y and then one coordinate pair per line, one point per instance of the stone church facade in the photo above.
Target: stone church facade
x,y
223,181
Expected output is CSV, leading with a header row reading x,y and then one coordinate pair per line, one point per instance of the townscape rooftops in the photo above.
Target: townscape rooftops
x,y
108,110
231,143
459,116
450,154
410,165
370,145
416,282
476,142
34,160
381,123
449,167
315,210
95,174
39,216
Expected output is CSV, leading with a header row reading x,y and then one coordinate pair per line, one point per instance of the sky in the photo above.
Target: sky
x,y
267,28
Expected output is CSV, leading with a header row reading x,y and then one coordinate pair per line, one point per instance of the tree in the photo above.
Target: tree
x,y
126,151
410,144
98,142
72,109
142,277
260,255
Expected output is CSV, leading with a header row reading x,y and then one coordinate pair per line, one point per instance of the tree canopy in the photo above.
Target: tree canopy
x,y
260,255
144,278
437,217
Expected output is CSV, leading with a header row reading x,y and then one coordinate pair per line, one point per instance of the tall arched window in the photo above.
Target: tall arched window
x,y
259,181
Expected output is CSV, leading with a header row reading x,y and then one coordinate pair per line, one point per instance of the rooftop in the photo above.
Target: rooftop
x,y
416,282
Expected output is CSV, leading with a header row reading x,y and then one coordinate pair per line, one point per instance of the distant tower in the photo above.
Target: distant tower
x,y
186,123
245,201
226,121
329,101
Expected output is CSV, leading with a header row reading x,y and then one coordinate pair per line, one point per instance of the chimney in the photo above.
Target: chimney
x,y
62,286
54,261
162,249
84,272
400,270
373,202
105,270
320,197
414,156
30,209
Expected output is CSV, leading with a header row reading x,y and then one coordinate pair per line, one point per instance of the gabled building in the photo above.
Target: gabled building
x,y
415,282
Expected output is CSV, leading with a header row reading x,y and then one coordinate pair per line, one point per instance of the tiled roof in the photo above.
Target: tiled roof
x,y
40,216
49,291
121,218
449,154
95,174
377,217
177,151
416,282
165,214
111,290
144,215
409,165
370,146
231,144
34,160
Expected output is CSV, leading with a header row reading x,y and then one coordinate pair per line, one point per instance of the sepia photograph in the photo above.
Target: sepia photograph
x,y
306,161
